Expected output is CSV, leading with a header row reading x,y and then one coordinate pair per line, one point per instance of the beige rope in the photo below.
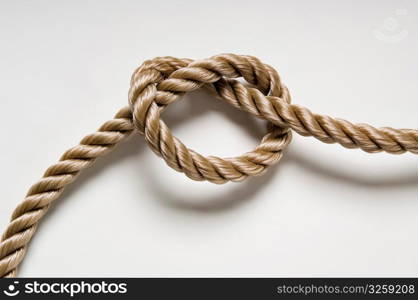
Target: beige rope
x,y
163,80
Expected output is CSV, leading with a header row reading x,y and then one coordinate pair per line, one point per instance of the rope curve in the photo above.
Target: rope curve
x,y
162,81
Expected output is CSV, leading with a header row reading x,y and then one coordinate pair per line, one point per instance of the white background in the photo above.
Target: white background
x,y
324,211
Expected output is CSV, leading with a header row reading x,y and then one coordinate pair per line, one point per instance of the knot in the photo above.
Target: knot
x,y
164,80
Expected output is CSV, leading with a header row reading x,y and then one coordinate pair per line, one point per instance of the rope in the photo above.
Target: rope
x,y
162,81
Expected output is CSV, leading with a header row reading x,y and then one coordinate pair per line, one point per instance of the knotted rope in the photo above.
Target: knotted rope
x,y
163,80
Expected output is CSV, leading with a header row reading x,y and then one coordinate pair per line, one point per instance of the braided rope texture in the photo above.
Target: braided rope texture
x,y
164,80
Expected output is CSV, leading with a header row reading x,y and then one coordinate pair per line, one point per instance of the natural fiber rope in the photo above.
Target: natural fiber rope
x,y
163,80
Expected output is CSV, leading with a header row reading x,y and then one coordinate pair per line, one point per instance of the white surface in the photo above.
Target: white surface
x,y
325,211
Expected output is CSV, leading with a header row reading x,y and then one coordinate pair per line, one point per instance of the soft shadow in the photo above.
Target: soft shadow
x,y
358,179
199,103
239,195
196,104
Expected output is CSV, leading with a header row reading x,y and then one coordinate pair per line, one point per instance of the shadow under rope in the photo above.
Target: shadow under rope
x,y
198,104
359,178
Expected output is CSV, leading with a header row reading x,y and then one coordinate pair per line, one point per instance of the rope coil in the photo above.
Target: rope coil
x,y
162,81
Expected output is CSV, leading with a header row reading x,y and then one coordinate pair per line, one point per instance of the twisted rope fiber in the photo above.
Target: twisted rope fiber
x,y
163,80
